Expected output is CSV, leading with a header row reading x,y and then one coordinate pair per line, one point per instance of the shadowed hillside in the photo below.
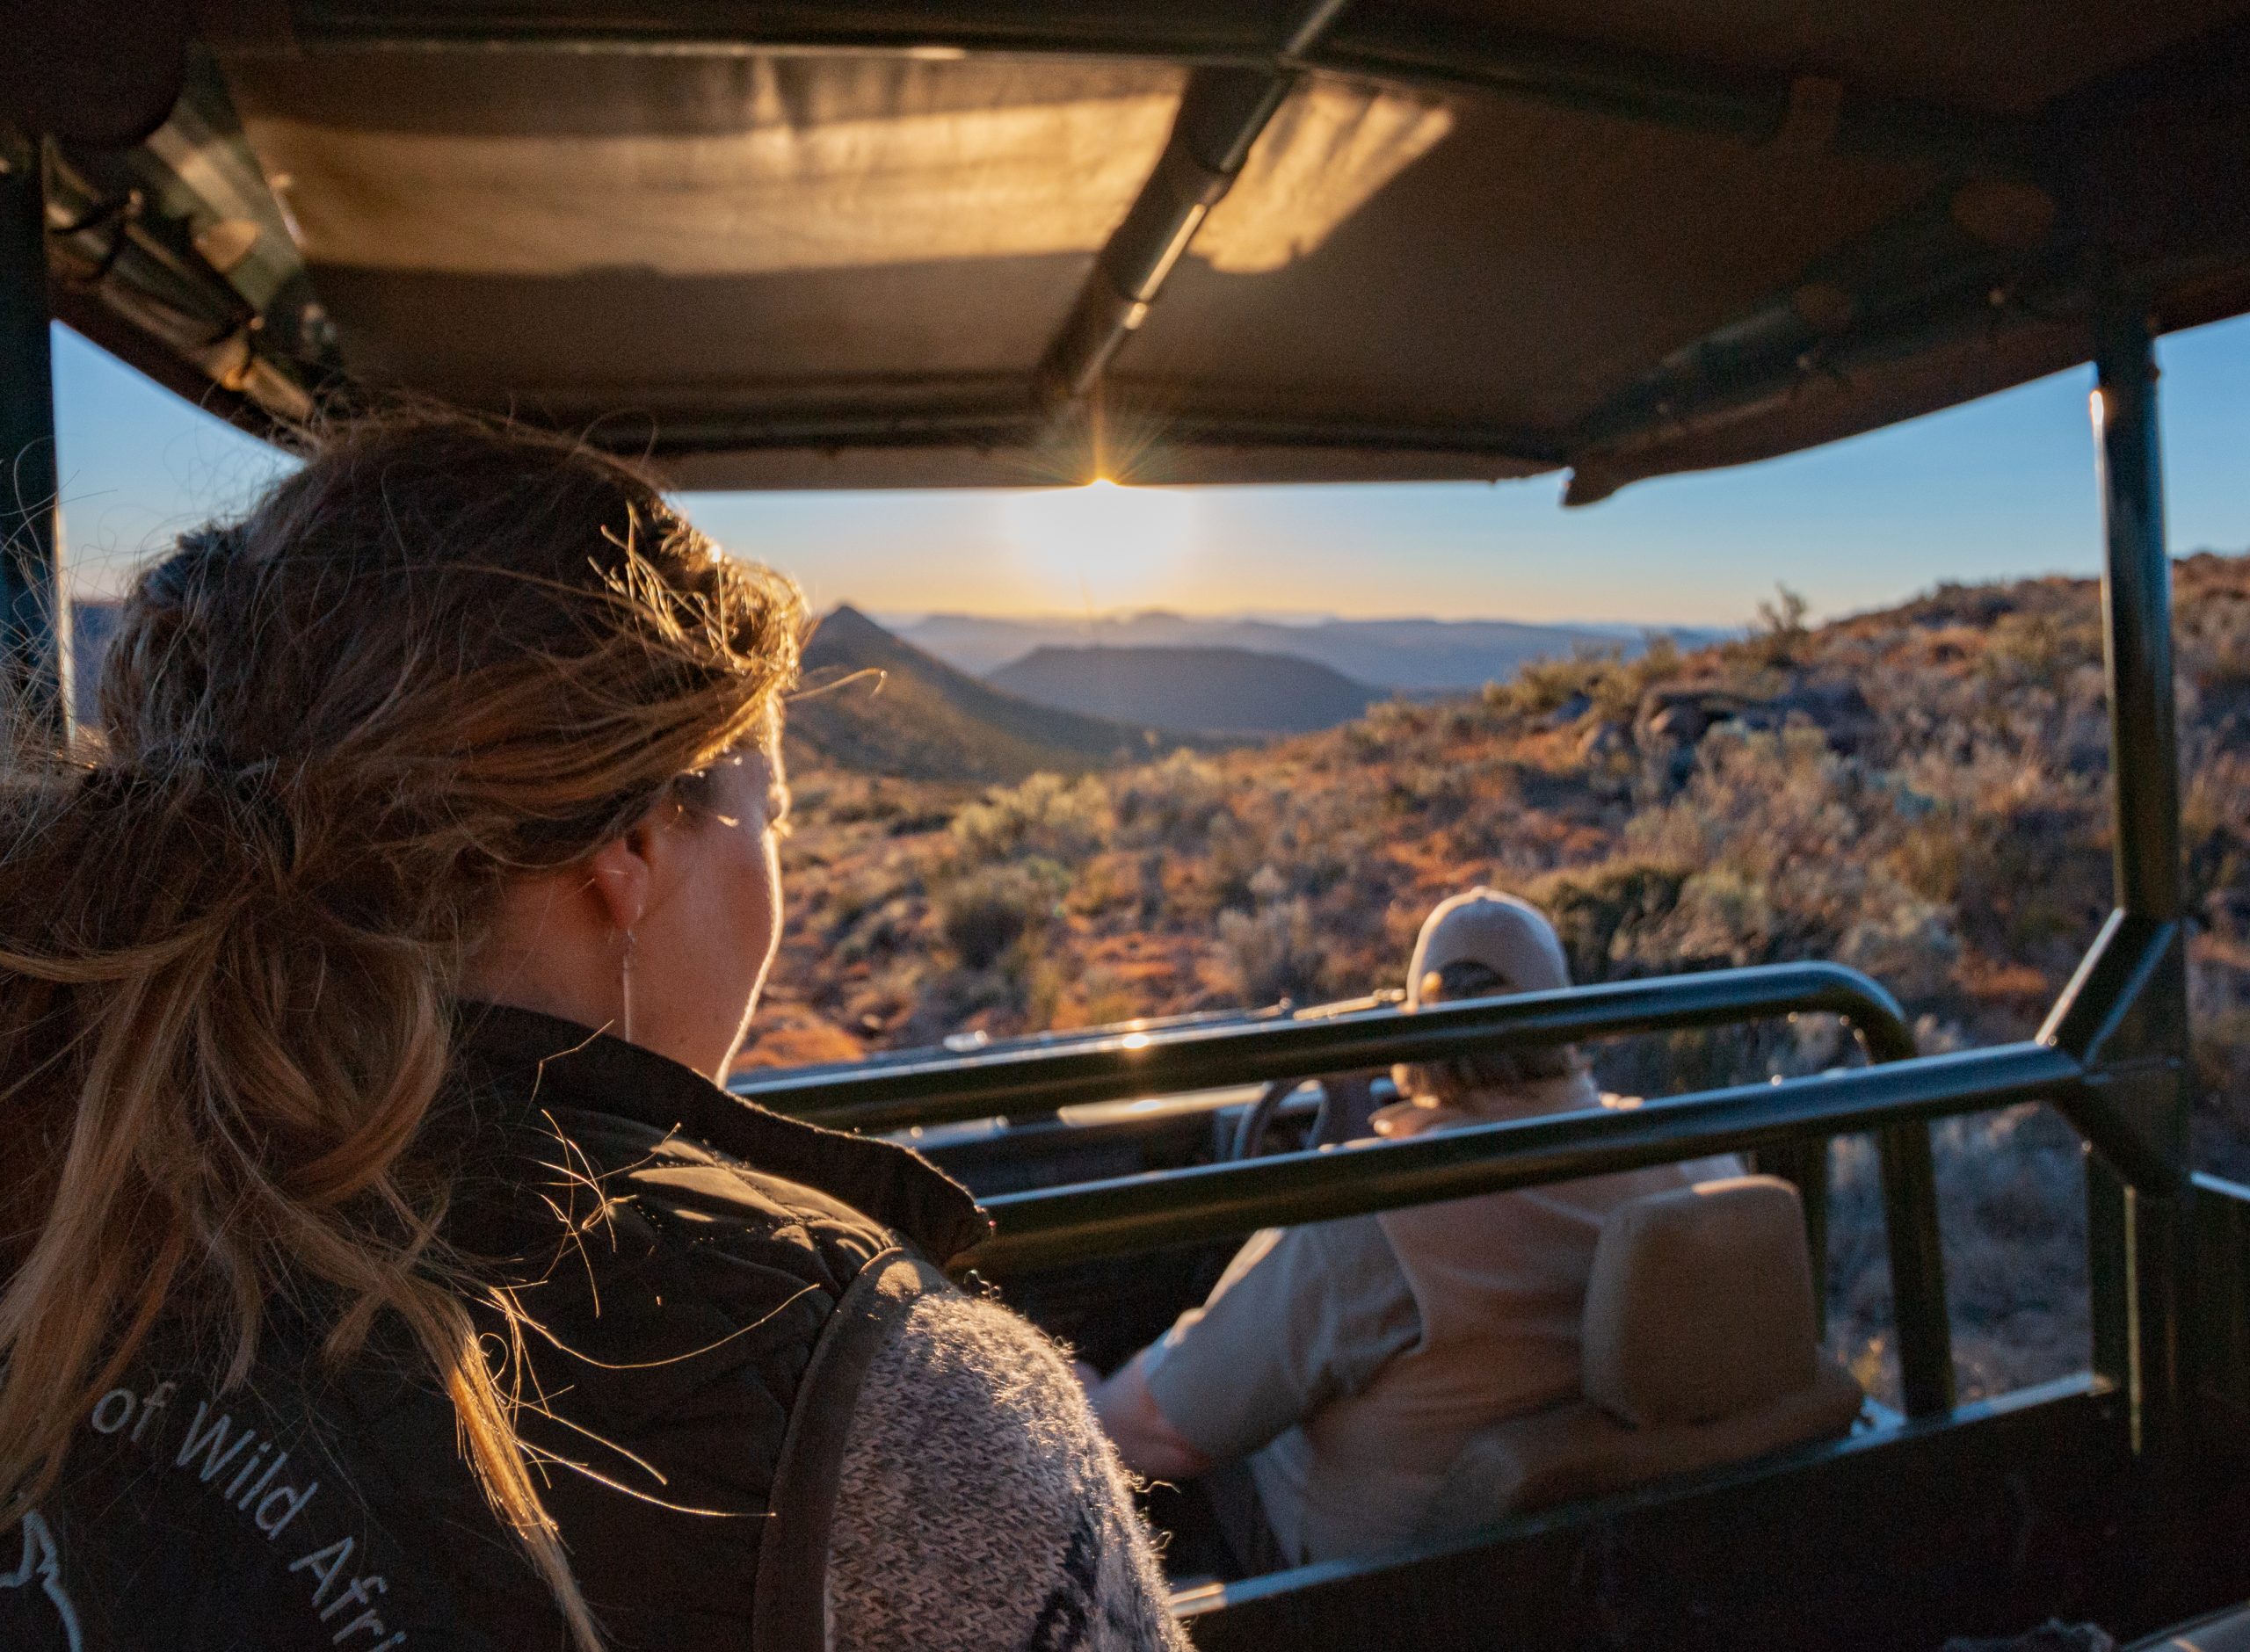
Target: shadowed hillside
x,y
875,704
1204,691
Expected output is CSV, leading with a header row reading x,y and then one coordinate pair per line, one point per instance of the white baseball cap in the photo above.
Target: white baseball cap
x,y
1510,936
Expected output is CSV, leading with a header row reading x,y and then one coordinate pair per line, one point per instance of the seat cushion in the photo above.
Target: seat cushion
x,y
1579,1450
1700,1304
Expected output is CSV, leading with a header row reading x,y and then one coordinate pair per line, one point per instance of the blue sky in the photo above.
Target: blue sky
x,y
1998,487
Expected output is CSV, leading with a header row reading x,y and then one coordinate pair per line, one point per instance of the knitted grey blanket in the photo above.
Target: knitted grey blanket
x,y
980,1507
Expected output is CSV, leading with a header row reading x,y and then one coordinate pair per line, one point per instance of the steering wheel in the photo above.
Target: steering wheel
x,y
1347,1100
1250,1129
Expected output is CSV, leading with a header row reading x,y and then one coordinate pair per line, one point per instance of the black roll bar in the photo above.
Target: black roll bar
x,y
2130,1000
31,614
1222,111
1192,1057
1141,1213
1162,1061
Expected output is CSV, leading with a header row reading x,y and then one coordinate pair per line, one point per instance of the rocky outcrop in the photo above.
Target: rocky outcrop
x,y
1680,715
1673,721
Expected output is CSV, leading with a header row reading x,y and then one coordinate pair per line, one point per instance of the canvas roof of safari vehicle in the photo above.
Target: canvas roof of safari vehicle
x,y
845,245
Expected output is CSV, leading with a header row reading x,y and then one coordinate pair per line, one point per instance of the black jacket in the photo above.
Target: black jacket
x,y
708,1280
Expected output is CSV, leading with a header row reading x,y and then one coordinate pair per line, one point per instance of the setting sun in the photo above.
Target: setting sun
x,y
1102,544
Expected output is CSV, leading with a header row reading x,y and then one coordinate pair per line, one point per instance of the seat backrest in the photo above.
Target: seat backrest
x,y
1700,1348
1701,1304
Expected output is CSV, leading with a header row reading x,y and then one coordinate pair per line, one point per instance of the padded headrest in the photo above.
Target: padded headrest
x,y
1701,1304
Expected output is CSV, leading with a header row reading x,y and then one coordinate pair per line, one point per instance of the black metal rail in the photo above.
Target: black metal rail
x,y
31,571
1159,1062
1168,1061
2141,1244
1213,1201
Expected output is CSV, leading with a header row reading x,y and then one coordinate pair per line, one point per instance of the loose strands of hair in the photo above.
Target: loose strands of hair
x,y
438,654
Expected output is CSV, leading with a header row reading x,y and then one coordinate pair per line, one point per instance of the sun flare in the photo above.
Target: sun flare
x,y
1103,545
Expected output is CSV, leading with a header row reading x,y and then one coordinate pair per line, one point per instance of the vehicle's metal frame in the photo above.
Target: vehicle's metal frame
x,y
34,622
2112,1057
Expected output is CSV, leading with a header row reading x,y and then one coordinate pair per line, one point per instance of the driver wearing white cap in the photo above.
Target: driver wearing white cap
x,y
1346,1363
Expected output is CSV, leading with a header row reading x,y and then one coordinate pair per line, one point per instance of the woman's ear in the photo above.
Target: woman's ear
x,y
622,877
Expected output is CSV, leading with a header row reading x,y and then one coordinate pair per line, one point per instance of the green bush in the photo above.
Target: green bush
x,y
1064,820
1171,804
1542,686
1273,953
985,913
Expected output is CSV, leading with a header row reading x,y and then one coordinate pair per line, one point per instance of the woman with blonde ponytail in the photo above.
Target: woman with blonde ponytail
x,y
383,1267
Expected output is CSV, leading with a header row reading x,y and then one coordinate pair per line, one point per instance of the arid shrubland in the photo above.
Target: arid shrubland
x,y
1921,793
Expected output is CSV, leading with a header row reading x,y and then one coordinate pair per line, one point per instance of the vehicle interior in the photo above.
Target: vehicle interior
x,y
1010,243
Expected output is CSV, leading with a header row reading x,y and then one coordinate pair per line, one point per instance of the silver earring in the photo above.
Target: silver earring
x,y
625,985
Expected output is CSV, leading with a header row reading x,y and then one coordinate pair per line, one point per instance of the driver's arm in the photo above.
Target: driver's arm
x,y
1144,1436
1302,1317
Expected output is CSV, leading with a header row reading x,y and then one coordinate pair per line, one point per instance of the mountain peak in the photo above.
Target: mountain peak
x,y
875,703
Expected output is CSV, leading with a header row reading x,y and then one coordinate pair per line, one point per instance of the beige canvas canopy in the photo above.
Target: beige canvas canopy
x,y
842,245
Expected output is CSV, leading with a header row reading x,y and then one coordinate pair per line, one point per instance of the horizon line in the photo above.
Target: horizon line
x,y
1283,618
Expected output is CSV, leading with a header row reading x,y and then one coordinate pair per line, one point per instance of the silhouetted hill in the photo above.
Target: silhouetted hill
x,y
912,716
1413,656
1195,690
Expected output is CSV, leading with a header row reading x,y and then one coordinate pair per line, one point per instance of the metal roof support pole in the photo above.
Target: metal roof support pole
x,y
1917,1256
1804,1165
1916,1251
1222,111
2136,612
2140,1056
31,574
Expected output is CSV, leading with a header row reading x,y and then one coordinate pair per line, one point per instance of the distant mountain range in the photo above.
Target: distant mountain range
x,y
1411,657
1041,699
877,705
1214,691
907,704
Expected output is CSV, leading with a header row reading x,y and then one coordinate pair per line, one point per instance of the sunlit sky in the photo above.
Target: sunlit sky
x,y
1996,488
